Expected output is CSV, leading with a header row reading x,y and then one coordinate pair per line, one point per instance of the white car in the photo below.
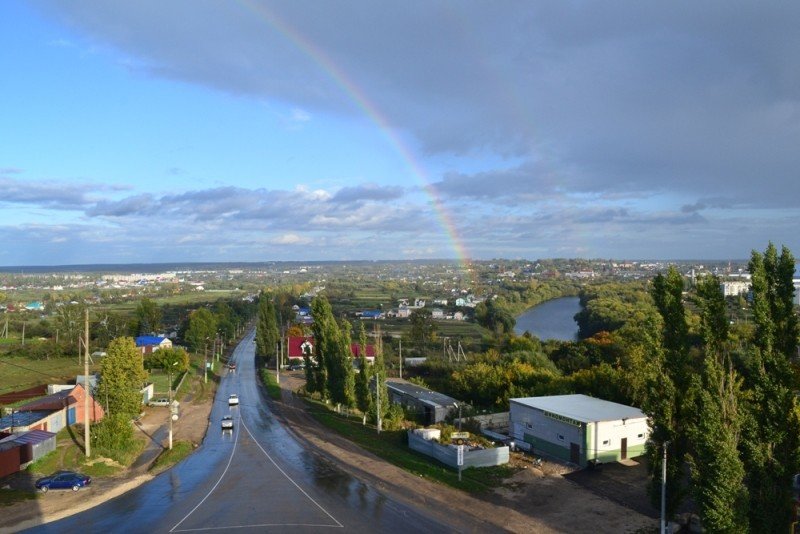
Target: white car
x,y
227,422
233,400
159,402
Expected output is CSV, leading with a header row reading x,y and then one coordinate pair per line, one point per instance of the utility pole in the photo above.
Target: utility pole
x,y
378,401
23,334
205,363
278,362
664,488
401,358
86,432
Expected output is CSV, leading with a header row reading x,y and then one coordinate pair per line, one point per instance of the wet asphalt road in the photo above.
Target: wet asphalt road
x,y
257,478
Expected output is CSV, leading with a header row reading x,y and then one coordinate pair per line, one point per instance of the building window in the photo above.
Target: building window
x,y
640,436
605,442
528,425
560,437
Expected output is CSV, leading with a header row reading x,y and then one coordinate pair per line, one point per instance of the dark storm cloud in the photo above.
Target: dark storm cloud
x,y
626,96
613,101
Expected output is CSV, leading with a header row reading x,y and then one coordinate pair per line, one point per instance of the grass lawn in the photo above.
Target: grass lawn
x,y
69,455
24,373
392,446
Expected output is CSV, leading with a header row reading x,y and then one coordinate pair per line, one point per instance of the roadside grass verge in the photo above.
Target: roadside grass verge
x,y
392,446
180,450
273,389
12,496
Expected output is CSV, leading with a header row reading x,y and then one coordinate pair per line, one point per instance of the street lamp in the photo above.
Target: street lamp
x,y
171,414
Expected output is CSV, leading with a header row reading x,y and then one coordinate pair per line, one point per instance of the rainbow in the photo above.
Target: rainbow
x,y
360,99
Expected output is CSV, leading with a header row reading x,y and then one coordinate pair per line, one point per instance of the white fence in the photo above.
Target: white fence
x,y
448,455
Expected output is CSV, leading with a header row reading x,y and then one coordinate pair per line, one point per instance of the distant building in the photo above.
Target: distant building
x,y
735,288
150,344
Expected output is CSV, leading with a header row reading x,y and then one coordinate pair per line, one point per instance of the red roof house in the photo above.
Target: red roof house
x,y
299,346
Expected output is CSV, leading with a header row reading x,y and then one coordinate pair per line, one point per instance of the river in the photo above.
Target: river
x,y
551,320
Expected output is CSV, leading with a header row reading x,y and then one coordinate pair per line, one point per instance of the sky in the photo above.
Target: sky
x,y
246,130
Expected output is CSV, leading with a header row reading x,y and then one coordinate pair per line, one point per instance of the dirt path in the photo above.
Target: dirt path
x,y
534,500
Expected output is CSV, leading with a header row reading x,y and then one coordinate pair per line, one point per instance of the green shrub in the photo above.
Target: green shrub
x,y
113,437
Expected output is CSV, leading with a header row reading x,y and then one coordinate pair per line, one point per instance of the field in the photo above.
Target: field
x,y
23,373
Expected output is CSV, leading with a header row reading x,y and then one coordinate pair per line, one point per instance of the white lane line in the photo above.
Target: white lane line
x,y
233,451
288,477
261,525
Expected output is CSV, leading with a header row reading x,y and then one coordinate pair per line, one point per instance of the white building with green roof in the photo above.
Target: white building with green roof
x,y
578,428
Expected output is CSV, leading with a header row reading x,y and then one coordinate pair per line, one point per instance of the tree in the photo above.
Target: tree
x,y
173,359
202,328
717,470
771,433
122,376
267,333
109,326
362,394
668,410
325,332
147,317
341,380
69,323
423,329
494,316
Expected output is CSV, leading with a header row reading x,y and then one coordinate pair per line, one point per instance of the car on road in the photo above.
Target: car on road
x,y
63,480
233,400
231,367
161,401
297,367
227,422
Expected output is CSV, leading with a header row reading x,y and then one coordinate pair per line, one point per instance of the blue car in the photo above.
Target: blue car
x,y
63,480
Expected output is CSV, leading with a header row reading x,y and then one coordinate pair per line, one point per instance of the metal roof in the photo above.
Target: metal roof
x,y
582,408
144,341
421,393
23,418
34,436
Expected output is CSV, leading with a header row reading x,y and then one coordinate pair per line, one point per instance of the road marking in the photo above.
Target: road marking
x,y
260,525
287,476
233,451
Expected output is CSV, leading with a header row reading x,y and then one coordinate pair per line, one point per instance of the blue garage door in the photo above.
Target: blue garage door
x,y
71,416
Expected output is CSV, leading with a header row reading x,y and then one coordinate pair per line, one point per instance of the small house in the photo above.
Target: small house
x,y
429,406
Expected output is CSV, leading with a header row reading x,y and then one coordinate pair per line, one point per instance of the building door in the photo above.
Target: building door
x,y
574,453
623,449
71,416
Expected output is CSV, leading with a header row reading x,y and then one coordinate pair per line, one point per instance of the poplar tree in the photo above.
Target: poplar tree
x,y
341,379
772,430
325,331
717,470
363,397
267,333
668,400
